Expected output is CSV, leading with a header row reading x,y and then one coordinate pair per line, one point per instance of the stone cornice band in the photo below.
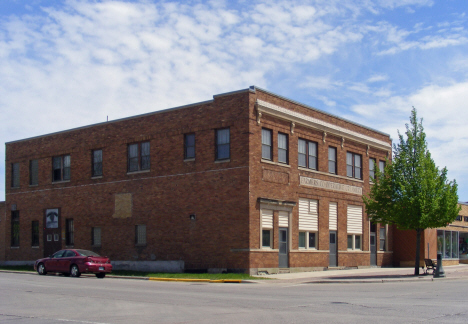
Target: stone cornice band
x,y
264,107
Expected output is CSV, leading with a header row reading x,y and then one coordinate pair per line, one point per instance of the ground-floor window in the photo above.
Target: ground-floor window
x,y
15,228
96,236
69,232
140,234
266,238
448,244
382,237
35,233
267,228
463,246
307,240
354,241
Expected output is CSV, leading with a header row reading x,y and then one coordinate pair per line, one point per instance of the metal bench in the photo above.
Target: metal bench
x,y
430,265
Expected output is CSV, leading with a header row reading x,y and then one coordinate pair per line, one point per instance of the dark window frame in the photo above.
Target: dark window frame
x,y
15,228
15,175
35,233
96,163
69,232
354,169
307,155
33,172
143,162
188,146
335,161
282,149
218,145
267,146
61,174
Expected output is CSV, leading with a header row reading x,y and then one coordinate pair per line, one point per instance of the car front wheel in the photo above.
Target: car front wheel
x,y
74,271
41,269
100,275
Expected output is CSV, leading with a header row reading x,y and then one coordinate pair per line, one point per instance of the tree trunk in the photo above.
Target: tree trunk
x,y
418,249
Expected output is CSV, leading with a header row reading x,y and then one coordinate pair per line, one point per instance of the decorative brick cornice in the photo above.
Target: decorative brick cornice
x,y
264,107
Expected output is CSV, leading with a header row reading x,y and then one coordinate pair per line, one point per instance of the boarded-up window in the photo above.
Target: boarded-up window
x,y
354,219
283,219
333,216
267,218
123,205
308,215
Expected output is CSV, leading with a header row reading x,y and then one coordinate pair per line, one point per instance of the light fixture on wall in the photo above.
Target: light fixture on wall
x,y
193,217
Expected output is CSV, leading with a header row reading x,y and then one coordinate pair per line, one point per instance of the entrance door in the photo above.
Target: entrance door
x,y
52,242
373,250
332,247
283,247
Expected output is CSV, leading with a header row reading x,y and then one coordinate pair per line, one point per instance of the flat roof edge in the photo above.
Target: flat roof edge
x,y
113,121
320,111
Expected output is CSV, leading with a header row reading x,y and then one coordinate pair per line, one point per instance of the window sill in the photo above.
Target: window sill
x,y
140,245
305,250
35,247
137,172
58,182
275,163
14,247
189,160
222,161
330,174
97,177
14,187
36,185
267,249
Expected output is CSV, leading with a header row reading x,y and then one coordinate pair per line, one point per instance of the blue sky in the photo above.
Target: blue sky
x,y
66,64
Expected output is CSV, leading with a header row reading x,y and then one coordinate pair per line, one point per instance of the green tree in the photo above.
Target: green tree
x,y
412,192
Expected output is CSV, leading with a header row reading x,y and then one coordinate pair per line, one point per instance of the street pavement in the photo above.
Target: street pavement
x,y
366,275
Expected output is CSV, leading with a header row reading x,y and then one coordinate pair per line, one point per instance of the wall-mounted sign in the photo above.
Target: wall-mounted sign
x,y
316,183
52,218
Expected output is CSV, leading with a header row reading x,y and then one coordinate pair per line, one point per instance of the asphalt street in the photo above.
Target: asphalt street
x,y
30,298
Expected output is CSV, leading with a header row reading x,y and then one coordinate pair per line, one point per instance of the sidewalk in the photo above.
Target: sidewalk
x,y
367,275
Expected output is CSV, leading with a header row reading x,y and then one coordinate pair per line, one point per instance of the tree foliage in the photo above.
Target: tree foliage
x,y
412,192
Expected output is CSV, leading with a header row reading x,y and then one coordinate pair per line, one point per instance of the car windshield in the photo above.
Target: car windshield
x,y
87,253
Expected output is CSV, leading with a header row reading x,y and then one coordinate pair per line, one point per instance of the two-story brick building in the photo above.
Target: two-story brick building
x,y
248,181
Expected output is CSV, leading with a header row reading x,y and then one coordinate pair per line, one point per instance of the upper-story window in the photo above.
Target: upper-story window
x,y
353,165
267,151
222,144
15,175
371,169
332,159
139,156
307,154
97,163
283,150
33,172
381,166
15,228
189,146
61,168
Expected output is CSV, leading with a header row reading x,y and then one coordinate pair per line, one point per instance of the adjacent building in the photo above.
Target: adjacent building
x,y
249,181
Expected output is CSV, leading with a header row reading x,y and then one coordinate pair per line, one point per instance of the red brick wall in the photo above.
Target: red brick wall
x,y
2,231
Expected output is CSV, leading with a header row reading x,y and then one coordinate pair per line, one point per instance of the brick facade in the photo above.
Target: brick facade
x,y
203,211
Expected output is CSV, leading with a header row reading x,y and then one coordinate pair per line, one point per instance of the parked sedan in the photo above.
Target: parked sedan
x,y
73,263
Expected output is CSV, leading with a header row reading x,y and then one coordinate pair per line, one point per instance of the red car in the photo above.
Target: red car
x,y
73,263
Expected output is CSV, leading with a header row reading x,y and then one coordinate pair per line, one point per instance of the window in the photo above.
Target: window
x,y
465,218
332,159
283,154
381,166
33,172
96,236
97,163
308,223
69,232
382,237
189,146
15,175
139,156
353,165
140,234
61,168
354,242
15,229
307,154
222,144
35,233
459,218
267,152
354,227
267,227
371,169
307,240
